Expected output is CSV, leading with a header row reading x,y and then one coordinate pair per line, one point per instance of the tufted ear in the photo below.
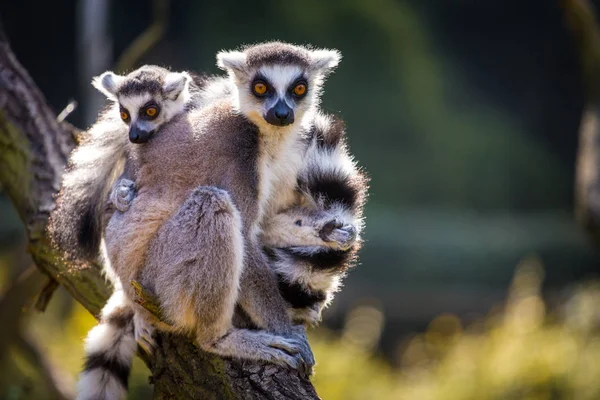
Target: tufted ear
x,y
108,83
175,83
231,61
325,60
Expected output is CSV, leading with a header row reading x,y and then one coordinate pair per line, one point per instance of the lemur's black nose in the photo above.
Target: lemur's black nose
x,y
138,136
280,114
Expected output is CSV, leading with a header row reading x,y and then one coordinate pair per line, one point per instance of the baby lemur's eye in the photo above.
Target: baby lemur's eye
x,y
298,222
259,88
300,89
151,111
124,115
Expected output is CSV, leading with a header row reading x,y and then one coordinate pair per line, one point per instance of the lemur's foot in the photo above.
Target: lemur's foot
x,y
143,332
258,345
336,231
123,194
308,359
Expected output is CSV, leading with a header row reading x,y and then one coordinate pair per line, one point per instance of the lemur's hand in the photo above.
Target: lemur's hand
x,y
123,194
299,334
335,231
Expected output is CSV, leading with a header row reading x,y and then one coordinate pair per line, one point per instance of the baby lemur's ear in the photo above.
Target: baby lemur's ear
x,y
234,61
324,60
108,83
175,84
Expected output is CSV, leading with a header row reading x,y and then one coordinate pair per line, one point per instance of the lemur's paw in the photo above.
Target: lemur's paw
x,y
308,359
143,332
212,199
343,235
281,351
123,194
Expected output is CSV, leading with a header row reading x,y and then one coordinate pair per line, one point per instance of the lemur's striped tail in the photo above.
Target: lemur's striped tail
x,y
109,349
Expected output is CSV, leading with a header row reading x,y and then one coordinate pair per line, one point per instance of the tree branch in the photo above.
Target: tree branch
x,y
33,152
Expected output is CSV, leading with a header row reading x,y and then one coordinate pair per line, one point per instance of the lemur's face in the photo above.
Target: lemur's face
x,y
278,94
278,84
148,98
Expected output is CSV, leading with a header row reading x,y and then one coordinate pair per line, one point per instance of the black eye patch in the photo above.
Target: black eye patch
x,y
299,88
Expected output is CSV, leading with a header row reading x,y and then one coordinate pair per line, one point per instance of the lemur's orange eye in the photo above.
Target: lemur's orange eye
x,y
259,88
300,89
124,115
151,111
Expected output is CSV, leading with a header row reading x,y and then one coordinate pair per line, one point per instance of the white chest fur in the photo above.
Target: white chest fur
x,y
279,163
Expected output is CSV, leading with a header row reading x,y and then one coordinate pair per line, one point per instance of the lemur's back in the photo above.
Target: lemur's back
x,y
210,147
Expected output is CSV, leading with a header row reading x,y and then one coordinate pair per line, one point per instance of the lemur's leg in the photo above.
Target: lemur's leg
x,y
194,266
265,306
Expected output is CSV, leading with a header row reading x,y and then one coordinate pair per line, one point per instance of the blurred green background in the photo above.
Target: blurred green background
x,y
464,113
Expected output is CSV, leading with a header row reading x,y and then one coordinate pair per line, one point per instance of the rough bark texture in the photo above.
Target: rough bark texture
x,y
33,154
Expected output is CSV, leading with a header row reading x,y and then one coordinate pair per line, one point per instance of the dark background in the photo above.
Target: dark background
x,y
464,113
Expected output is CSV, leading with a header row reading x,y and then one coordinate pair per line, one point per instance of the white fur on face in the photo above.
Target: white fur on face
x,y
280,77
168,108
133,104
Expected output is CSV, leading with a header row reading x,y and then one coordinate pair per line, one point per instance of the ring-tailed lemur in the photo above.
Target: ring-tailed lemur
x,y
252,150
76,224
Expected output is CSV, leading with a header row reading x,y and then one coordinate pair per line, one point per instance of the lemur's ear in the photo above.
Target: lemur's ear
x,y
108,83
175,83
324,60
231,61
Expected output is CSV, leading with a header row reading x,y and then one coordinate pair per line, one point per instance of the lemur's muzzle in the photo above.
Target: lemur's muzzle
x,y
137,135
280,114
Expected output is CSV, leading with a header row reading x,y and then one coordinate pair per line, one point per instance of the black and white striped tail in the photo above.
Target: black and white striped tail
x,y
109,350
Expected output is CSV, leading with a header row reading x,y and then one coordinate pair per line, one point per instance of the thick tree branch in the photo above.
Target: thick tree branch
x,y
33,153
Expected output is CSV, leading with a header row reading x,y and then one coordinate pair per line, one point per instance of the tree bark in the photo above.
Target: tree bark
x,y
33,153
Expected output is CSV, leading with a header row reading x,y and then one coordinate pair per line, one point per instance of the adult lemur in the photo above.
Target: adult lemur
x,y
250,166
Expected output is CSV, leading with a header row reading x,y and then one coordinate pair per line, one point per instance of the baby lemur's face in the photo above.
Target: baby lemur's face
x,y
148,98
278,84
